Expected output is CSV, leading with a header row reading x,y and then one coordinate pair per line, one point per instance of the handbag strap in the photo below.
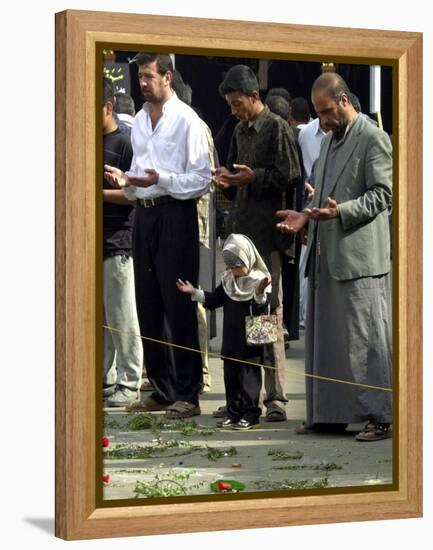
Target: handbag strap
x,y
251,308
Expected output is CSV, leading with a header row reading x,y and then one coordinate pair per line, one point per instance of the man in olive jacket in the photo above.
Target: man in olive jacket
x,y
348,335
261,175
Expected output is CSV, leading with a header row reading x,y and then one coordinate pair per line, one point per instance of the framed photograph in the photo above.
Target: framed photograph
x,y
91,44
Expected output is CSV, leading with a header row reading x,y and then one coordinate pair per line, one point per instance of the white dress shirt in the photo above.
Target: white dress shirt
x,y
177,148
310,137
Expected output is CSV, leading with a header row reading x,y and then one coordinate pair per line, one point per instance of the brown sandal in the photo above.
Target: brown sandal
x,y
182,409
147,405
275,414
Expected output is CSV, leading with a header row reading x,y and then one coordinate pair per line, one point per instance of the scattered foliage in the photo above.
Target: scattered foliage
x,y
215,454
157,424
160,450
326,466
285,455
167,484
290,484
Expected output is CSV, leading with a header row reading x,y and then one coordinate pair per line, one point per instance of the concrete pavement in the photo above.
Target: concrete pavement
x,y
169,458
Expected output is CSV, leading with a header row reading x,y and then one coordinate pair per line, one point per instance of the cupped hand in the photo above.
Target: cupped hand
x,y
261,285
115,177
293,221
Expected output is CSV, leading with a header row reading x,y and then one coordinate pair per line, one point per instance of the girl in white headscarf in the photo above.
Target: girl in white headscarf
x,y
244,286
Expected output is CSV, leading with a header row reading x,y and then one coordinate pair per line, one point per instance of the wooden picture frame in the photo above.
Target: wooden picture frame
x,y
78,320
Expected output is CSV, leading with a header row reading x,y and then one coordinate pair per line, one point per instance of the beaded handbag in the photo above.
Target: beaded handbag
x,y
260,329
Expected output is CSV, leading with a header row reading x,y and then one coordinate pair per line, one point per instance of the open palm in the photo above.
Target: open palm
x,y
185,286
115,176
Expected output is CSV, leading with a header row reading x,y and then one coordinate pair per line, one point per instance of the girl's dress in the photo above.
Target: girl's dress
x,y
242,380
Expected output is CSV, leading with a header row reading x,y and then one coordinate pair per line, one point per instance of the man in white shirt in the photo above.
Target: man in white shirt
x,y
310,138
169,170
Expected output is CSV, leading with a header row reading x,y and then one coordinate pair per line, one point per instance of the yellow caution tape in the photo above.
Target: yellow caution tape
x,y
218,356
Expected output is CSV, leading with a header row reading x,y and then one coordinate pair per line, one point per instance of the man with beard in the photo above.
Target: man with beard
x,y
170,169
348,333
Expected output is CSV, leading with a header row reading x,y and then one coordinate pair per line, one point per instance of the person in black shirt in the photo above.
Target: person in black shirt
x,y
244,285
123,353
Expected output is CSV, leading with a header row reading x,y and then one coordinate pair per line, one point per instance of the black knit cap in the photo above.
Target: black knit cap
x,y
239,78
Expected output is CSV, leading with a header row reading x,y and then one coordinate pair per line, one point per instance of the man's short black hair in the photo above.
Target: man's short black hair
x,y
124,104
282,92
300,109
163,61
239,78
108,91
278,105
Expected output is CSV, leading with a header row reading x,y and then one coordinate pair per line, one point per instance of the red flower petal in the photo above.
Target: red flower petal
x,y
224,486
106,478
105,441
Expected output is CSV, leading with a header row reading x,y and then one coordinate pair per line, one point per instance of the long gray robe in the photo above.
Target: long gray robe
x,y
348,333
348,337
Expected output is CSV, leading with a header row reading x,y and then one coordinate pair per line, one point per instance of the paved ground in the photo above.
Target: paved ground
x,y
149,456
165,458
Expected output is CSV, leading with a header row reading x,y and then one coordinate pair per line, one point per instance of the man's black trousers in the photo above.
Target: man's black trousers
x,y
166,248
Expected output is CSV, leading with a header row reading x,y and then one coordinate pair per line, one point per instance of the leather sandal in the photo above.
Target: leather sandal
x,y
147,405
182,409
275,415
375,432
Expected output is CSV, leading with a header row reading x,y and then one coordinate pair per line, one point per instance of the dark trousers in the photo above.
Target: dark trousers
x,y
290,283
166,247
243,383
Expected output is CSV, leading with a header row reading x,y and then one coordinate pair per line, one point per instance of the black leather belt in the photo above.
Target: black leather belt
x,y
148,203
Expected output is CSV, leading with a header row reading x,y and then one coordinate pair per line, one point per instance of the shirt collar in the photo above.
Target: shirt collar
x,y
168,106
318,128
260,120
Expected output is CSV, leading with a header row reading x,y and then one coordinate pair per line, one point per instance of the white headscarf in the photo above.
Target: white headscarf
x,y
241,289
